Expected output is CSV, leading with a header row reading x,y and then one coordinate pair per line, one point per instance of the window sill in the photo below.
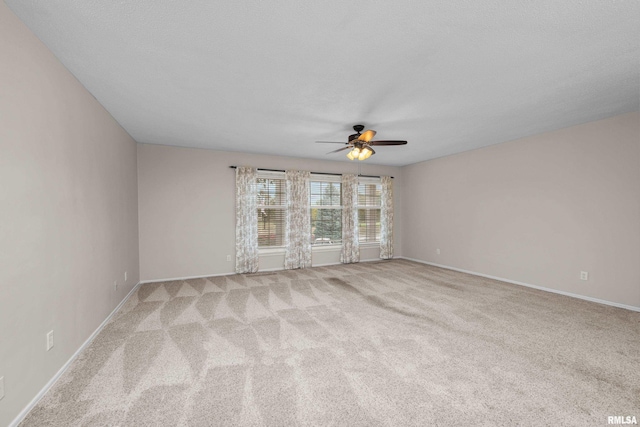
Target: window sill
x,y
271,251
318,248
326,248
370,245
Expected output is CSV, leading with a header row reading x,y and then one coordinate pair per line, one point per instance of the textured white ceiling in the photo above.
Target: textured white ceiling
x,y
274,76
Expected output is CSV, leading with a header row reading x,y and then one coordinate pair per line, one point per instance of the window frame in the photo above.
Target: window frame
x,y
283,207
335,179
378,183
316,178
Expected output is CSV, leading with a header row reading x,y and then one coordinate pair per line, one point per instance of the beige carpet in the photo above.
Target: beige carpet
x,y
389,343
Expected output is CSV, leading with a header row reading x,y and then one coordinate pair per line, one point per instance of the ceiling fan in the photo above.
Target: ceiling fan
x,y
360,144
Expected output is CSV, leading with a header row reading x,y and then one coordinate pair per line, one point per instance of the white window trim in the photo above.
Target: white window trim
x,y
375,181
326,178
267,250
325,207
279,250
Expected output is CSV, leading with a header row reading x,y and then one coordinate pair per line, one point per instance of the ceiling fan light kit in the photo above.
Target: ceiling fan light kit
x,y
360,144
360,152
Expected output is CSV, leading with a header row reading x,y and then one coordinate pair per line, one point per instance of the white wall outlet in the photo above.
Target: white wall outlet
x,y
584,275
1,387
229,258
49,340
438,251
125,276
115,285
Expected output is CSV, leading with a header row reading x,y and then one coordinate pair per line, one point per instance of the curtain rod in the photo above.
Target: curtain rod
x,y
315,173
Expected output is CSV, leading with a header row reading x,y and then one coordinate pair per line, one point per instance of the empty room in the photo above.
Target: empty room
x,y
408,213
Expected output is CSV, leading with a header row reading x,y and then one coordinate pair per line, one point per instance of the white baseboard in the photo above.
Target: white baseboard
x,y
515,282
21,416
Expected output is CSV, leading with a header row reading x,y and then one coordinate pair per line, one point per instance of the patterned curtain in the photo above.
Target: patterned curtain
x,y
350,246
246,220
297,231
386,219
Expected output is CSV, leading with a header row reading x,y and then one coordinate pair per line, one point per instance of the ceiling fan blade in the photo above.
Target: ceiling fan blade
x,y
339,149
388,143
367,135
330,142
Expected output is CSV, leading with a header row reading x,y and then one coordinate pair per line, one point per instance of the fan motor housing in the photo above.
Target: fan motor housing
x,y
358,129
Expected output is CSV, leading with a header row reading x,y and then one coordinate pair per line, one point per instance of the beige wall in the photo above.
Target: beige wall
x,y
187,209
537,210
68,216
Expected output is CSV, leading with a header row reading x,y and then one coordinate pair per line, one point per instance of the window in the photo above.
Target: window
x,y
369,205
326,212
271,211
325,195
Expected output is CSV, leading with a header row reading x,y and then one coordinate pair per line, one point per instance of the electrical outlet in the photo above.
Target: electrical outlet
x,y
49,340
584,275
438,251
229,258
1,387
125,276
115,285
